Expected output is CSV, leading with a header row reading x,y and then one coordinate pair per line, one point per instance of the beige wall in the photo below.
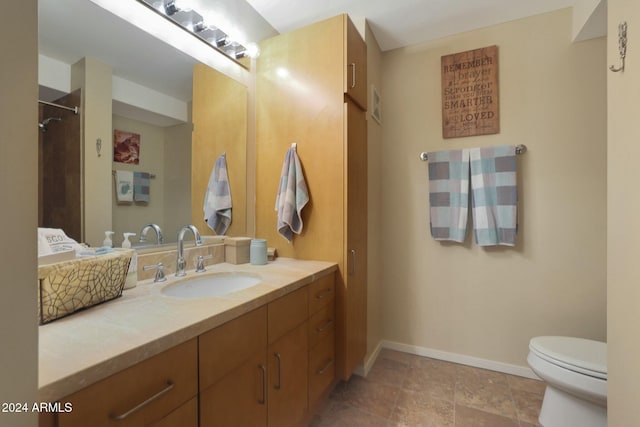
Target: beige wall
x,y
131,217
623,266
19,190
374,244
94,77
488,303
177,179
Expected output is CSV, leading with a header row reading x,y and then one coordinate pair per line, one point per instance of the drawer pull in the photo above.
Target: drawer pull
x,y
279,357
264,385
324,293
353,74
324,369
168,388
324,326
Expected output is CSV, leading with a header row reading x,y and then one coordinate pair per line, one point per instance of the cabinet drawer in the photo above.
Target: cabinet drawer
x,y
322,293
321,324
228,346
286,313
139,395
322,368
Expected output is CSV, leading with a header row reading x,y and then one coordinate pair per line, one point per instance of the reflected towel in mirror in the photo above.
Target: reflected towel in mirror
x,y
124,186
141,186
217,201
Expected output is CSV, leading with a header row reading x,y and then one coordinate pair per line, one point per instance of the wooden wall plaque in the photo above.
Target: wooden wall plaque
x,y
470,93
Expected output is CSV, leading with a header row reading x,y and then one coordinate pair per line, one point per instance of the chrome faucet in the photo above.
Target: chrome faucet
x,y
156,228
181,262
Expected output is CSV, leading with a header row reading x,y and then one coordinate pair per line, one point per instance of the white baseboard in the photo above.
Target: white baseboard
x,y
363,370
506,368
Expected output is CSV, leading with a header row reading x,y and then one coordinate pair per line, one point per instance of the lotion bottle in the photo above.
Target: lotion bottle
x,y
108,242
132,274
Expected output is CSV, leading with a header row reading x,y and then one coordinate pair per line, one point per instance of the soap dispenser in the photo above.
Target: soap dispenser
x,y
132,274
126,243
108,242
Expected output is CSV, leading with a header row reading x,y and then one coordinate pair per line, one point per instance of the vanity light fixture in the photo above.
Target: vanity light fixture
x,y
181,13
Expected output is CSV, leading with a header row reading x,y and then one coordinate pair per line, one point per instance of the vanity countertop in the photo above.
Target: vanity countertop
x,y
81,349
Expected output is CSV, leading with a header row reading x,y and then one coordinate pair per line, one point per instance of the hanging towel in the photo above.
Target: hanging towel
x,y
449,194
124,186
494,195
141,187
217,201
292,196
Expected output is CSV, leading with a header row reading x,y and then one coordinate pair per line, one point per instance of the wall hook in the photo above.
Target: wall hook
x,y
99,146
622,46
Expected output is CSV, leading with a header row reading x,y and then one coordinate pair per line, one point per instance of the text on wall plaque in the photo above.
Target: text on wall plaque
x,y
470,93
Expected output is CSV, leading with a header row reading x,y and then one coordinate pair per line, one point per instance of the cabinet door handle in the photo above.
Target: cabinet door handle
x,y
324,326
170,385
352,267
264,385
324,369
324,293
279,357
353,74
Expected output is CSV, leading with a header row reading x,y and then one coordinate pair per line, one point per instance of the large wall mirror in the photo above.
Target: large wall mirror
x,y
151,97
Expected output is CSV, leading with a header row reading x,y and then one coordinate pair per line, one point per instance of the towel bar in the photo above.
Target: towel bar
x,y
520,149
151,175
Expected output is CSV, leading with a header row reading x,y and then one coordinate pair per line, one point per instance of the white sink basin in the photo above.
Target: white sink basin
x,y
213,285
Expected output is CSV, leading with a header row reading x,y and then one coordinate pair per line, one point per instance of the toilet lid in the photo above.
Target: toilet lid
x,y
576,354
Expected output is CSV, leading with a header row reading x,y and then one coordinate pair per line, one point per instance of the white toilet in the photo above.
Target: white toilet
x,y
575,370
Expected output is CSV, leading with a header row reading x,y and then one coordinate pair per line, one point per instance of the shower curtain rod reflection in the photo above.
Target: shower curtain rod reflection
x,y
64,107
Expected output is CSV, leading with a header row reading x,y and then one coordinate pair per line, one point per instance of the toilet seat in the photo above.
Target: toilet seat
x,y
579,355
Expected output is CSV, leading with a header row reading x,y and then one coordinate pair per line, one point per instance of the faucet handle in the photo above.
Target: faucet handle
x,y
200,268
159,267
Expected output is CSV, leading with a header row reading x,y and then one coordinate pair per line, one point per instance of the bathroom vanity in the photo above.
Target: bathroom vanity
x,y
264,355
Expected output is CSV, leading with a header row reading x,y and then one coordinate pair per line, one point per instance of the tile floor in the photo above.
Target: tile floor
x,y
407,390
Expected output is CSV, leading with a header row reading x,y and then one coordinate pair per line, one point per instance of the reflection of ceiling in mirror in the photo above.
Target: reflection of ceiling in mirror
x,y
70,30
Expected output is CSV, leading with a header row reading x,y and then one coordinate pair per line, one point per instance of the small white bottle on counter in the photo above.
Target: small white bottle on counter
x,y
132,274
108,242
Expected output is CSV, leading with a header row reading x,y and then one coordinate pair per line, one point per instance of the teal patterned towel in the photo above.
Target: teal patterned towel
x,y
449,194
141,187
494,195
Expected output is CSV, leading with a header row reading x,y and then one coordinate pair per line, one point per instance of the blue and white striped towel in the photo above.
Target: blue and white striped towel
x,y
449,194
217,201
141,187
494,195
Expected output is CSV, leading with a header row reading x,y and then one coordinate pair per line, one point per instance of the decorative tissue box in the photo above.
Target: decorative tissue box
x,y
236,250
69,286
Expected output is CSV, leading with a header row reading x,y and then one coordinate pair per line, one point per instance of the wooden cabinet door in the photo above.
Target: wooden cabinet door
x,y
238,399
356,65
355,300
185,416
288,378
233,372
